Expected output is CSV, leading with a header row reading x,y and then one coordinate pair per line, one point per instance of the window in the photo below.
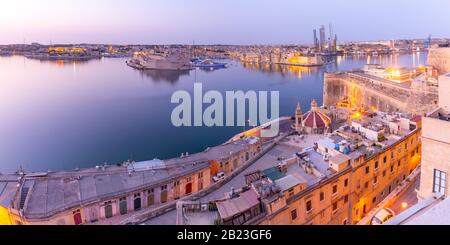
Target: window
x,y
137,201
399,162
376,165
322,196
367,170
189,179
346,182
392,168
384,173
108,209
164,187
334,189
176,183
392,154
345,198
151,191
366,185
123,205
291,192
294,214
406,146
200,175
439,181
335,206
374,200
308,206
375,180
384,159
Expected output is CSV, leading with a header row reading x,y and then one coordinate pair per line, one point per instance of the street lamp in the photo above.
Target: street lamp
x,y
404,205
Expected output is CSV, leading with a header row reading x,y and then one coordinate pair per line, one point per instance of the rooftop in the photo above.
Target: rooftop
x,y
49,193
233,206
216,152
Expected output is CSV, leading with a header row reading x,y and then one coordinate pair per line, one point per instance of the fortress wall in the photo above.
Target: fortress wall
x,y
372,96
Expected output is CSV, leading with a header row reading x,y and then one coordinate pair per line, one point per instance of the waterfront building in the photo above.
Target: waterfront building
x,y
95,194
113,192
333,179
435,168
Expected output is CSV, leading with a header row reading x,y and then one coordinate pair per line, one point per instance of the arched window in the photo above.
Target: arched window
x,y
137,201
123,207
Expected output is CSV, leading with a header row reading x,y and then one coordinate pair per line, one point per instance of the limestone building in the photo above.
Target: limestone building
x,y
435,168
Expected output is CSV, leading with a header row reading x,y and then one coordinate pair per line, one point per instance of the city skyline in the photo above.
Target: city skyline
x,y
203,22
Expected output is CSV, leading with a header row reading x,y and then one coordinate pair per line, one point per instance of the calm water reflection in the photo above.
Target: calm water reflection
x,y
56,115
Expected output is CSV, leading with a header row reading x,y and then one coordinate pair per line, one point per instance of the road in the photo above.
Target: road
x,y
409,197
266,161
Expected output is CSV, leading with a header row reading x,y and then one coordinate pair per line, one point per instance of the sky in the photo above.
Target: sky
x,y
218,21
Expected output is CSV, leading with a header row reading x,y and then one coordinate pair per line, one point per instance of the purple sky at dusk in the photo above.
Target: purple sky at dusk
x,y
225,22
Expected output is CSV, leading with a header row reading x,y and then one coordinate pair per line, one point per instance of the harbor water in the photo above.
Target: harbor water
x,y
66,115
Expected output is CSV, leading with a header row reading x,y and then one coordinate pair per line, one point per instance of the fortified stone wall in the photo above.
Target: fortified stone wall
x,y
359,92
439,57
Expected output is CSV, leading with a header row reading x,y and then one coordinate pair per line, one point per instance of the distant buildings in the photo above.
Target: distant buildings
x,y
324,44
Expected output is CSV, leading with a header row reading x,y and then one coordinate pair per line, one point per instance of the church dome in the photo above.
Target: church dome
x,y
315,119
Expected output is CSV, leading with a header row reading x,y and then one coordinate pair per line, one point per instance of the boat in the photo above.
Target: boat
x,y
208,64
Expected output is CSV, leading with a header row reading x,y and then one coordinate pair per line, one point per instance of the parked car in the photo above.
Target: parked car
x,y
219,176
382,216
